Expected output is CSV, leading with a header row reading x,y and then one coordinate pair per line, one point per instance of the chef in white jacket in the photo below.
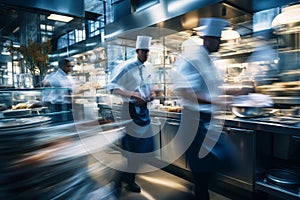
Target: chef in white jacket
x,y
62,84
131,81
196,82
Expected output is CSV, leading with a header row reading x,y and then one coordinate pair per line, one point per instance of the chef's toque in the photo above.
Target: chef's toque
x,y
143,42
212,26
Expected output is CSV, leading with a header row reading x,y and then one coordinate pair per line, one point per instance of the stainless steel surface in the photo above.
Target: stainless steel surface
x,y
243,176
275,191
21,124
168,9
247,111
16,113
30,154
286,147
169,130
292,40
286,100
284,177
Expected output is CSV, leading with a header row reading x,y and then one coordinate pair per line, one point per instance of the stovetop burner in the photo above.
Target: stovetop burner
x,y
284,177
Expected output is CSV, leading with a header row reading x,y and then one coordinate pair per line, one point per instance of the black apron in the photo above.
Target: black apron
x,y
134,139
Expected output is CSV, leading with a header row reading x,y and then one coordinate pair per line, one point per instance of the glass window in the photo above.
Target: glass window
x,y
72,37
80,35
94,28
62,42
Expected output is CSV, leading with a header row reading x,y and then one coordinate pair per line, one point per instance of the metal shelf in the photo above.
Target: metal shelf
x,y
286,100
277,191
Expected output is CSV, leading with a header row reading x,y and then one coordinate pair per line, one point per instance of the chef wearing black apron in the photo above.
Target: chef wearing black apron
x,y
132,82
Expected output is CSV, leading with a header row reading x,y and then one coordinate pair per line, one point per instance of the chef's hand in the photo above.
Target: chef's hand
x,y
137,99
152,95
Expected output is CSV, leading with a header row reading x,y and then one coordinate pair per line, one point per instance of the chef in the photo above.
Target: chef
x,y
59,99
132,81
197,82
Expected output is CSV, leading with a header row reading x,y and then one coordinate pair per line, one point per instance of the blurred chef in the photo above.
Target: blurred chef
x,y
59,99
197,83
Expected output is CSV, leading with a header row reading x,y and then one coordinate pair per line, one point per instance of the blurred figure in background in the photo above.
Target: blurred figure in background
x,y
263,62
197,84
60,99
132,83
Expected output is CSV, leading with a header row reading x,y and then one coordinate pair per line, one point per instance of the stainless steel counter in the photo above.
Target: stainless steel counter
x,y
267,124
264,140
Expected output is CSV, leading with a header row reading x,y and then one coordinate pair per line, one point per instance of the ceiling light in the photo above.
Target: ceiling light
x,y
288,21
5,53
60,18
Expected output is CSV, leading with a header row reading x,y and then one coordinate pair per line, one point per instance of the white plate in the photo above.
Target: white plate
x,y
18,112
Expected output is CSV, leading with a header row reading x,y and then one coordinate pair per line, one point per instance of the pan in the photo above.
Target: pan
x,y
284,177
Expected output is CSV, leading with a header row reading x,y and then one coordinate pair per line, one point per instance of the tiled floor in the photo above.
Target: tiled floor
x,y
157,185
161,185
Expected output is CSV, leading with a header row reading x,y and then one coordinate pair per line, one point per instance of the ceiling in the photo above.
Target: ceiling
x,y
16,20
239,13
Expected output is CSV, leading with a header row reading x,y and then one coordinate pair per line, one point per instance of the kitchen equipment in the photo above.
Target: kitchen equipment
x,y
22,124
243,174
3,107
290,76
286,146
245,111
284,177
16,113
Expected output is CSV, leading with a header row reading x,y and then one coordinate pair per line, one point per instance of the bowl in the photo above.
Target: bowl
x,y
247,110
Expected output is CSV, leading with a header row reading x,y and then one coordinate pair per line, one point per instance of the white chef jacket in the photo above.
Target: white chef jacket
x,y
127,76
64,86
195,71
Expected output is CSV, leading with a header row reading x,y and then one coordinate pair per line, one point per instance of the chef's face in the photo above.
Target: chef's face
x,y
212,44
68,67
142,54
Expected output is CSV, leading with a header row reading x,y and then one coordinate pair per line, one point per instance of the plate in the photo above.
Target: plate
x,y
22,123
16,113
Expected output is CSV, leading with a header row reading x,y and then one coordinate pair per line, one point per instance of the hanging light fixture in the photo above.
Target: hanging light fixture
x,y
288,21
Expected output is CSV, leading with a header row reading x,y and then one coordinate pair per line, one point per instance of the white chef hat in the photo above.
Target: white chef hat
x,y
191,44
143,42
212,26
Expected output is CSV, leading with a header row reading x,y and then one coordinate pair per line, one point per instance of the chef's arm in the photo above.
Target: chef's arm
x,y
129,94
190,95
239,91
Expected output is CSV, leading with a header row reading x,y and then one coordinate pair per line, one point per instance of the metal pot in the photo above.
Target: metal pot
x,y
248,111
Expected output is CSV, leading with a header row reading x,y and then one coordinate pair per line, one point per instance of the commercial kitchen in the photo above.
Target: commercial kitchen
x,y
74,153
